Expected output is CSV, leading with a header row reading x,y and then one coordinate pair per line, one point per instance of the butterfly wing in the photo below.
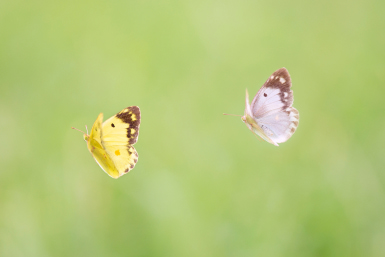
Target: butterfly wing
x,y
119,133
97,150
252,123
272,107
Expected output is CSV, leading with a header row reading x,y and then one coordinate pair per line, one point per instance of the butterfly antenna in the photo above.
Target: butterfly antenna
x,y
232,114
78,130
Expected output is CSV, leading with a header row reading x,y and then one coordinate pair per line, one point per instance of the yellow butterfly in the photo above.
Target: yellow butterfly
x,y
111,143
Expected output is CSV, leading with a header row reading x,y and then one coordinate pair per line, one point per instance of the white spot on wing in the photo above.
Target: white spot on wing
x,y
285,94
282,80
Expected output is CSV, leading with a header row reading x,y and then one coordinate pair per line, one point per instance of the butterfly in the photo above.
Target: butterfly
x,y
110,142
271,115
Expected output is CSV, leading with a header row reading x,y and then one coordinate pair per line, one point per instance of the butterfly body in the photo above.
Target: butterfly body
x,y
110,142
271,115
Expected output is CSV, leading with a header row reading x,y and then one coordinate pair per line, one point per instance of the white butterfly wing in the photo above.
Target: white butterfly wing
x,y
272,107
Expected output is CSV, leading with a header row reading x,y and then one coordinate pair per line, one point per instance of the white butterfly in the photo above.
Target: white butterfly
x,y
271,115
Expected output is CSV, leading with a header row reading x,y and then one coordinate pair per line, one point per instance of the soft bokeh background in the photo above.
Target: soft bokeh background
x,y
204,184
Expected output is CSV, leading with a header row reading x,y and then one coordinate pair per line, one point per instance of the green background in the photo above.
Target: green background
x,y
204,185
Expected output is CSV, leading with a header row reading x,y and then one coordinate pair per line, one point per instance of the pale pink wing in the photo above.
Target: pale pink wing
x,y
272,107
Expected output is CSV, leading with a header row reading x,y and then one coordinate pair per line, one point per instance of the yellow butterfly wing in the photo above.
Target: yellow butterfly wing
x,y
97,150
119,133
111,143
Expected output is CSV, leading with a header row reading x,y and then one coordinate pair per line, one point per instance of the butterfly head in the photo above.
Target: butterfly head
x,y
245,120
248,120
86,137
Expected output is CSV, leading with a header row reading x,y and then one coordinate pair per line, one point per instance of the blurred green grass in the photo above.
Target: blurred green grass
x,y
204,185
